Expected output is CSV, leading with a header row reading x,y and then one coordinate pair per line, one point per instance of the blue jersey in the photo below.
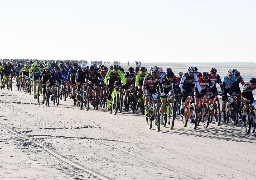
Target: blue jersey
x,y
56,77
17,70
228,82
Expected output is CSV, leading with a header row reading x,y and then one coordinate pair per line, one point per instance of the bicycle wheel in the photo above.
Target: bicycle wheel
x,y
207,116
120,102
194,115
217,112
87,99
38,94
186,115
157,116
133,103
173,114
117,103
58,95
47,98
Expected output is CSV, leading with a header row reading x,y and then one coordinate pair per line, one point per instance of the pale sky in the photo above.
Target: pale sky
x,y
129,30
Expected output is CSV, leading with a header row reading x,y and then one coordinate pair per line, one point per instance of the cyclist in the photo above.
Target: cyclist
x,y
112,76
228,88
140,77
24,72
187,85
247,94
35,74
55,79
240,80
205,85
214,78
72,78
46,74
7,72
130,80
17,72
150,86
168,85
139,83
82,76
93,79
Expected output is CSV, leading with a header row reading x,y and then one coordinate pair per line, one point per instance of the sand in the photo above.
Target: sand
x,y
64,142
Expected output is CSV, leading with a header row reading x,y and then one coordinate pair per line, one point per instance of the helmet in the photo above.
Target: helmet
x,y
234,71
192,69
143,69
34,64
160,69
169,70
75,65
213,70
104,68
170,74
61,65
83,66
205,75
92,68
252,80
230,72
131,69
180,74
237,73
153,69
116,66
46,67
137,69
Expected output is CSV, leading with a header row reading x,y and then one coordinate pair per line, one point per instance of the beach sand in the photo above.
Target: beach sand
x,y
64,142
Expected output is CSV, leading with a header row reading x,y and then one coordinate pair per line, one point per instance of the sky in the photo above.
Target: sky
x,y
129,30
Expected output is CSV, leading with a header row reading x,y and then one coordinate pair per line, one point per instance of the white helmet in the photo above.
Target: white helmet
x,y
83,66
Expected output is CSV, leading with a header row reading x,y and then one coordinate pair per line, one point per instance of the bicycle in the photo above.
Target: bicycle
x,y
190,112
232,109
38,90
214,107
116,103
9,82
153,108
82,97
170,111
251,118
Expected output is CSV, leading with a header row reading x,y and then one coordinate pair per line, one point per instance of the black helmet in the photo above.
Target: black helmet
x,y
205,75
75,65
169,74
252,80
214,70
237,73
180,74
234,71
169,70
131,69
92,68
143,69
116,67
192,69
